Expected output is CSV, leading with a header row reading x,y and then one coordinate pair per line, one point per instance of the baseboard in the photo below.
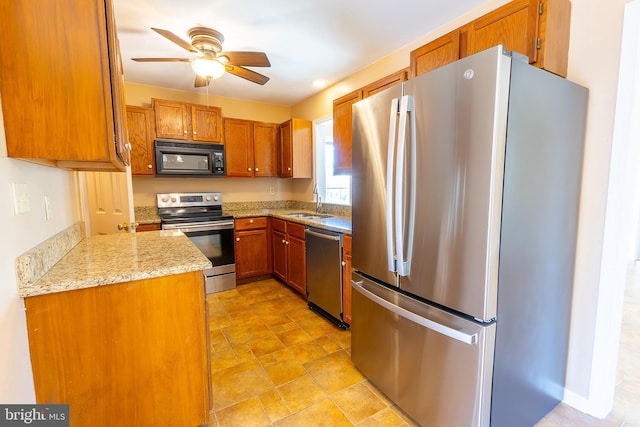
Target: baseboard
x,y
584,405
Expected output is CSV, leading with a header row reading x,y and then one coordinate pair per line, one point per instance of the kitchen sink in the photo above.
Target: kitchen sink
x,y
307,215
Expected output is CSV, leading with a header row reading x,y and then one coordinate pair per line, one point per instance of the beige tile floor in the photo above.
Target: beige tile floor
x,y
276,363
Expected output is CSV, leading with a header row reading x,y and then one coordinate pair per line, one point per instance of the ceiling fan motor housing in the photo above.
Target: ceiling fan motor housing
x,y
206,40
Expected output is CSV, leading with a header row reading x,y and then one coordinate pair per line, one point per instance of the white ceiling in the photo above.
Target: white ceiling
x,y
305,40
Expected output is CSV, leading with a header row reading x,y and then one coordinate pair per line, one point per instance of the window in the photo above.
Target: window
x,y
334,189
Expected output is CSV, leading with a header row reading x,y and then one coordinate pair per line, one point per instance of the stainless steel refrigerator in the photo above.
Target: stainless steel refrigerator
x,y
466,184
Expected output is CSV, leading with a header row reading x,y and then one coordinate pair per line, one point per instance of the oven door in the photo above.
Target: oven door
x,y
215,241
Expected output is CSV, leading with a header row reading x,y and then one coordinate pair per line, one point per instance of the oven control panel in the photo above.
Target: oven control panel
x,y
182,200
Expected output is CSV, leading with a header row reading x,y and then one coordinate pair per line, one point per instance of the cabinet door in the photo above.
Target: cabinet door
x,y
206,123
437,53
61,84
285,164
251,253
512,25
384,83
171,119
342,131
346,279
265,149
139,127
297,264
238,138
279,250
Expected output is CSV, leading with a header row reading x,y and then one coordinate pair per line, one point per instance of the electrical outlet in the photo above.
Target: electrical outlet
x,y
48,213
272,191
20,198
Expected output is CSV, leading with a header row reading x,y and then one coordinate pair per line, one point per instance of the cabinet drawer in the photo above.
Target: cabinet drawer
x,y
295,229
279,225
251,223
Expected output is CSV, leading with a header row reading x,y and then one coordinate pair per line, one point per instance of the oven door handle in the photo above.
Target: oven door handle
x,y
209,226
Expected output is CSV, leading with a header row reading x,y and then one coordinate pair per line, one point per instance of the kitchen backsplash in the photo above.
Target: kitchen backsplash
x,y
337,210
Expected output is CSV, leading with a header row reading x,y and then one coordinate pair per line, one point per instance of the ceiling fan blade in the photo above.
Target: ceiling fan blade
x,y
202,81
177,40
252,76
248,59
161,59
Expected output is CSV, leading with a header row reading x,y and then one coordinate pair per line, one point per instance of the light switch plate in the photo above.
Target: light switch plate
x,y
47,208
20,198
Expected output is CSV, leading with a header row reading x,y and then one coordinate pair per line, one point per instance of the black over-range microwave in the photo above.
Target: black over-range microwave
x,y
183,158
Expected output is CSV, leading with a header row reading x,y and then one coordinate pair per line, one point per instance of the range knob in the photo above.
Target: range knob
x,y
216,198
165,199
173,200
208,198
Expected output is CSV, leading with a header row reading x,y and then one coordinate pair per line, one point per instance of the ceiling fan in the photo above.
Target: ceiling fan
x,y
211,62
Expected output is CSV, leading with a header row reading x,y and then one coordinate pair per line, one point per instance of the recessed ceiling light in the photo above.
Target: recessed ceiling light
x,y
319,83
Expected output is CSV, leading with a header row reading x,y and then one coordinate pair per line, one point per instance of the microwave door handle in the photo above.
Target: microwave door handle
x,y
391,148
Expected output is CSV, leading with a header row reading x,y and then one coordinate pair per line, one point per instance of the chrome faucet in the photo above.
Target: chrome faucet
x,y
318,198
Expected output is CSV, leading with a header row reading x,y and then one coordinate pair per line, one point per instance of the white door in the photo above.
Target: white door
x,y
107,202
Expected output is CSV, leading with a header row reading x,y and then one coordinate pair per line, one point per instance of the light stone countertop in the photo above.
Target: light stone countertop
x,y
118,258
333,223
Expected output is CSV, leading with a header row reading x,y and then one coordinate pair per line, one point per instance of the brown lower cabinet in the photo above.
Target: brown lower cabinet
x,y
134,351
346,279
252,247
289,258
148,227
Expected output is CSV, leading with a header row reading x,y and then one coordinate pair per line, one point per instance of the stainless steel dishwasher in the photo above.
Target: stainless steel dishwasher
x,y
324,273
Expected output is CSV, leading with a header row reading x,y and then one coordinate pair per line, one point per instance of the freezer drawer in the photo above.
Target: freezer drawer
x,y
436,366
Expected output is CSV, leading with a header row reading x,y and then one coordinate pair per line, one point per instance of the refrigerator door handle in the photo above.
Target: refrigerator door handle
x,y
393,113
467,338
404,262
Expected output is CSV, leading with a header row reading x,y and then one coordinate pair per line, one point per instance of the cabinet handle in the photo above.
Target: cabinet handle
x,y
250,221
256,169
288,169
185,132
195,132
249,169
237,239
128,146
150,166
344,263
284,241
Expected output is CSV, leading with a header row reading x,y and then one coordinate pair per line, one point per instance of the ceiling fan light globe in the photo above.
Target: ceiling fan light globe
x,y
208,67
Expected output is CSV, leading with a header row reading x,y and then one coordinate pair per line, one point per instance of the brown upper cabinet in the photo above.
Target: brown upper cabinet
x,y
441,51
342,130
295,153
62,107
188,122
538,29
251,148
141,136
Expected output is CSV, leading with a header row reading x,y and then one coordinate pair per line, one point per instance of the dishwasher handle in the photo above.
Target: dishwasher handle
x,y
322,235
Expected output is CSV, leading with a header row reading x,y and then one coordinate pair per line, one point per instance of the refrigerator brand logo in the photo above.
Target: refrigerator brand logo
x,y
468,74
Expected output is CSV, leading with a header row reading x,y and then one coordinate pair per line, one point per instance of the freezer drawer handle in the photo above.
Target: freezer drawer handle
x,y
430,324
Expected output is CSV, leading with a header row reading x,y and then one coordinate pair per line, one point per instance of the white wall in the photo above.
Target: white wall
x,y
19,234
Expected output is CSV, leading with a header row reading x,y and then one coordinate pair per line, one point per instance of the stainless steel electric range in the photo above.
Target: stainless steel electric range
x,y
199,216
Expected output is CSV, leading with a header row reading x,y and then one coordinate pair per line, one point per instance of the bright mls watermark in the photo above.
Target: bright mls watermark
x,y
34,415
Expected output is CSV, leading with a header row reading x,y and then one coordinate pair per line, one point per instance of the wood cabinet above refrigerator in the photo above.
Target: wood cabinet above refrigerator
x,y
62,85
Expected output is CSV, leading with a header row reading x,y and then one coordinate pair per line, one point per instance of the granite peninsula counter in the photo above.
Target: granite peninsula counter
x,y
117,258
115,315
